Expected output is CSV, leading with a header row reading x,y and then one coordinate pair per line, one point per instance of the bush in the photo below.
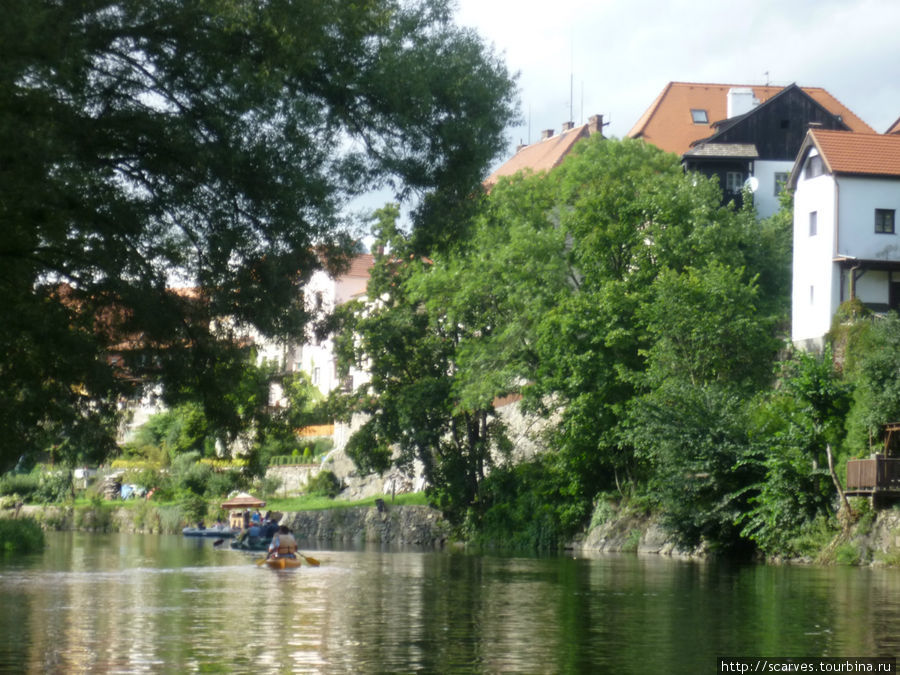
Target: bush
x,y
523,507
55,487
193,509
25,485
23,535
324,484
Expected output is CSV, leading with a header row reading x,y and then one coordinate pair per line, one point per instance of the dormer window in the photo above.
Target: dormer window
x,y
699,116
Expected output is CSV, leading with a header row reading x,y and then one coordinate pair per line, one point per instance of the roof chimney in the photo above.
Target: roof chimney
x,y
568,126
595,124
740,101
546,133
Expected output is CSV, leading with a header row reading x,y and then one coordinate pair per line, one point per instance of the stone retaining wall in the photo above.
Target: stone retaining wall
x,y
420,525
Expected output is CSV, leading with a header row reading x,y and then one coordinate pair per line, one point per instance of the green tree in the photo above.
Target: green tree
x,y
150,143
412,406
872,364
653,252
796,431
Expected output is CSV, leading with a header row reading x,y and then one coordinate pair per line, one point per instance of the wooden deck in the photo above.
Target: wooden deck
x,y
878,476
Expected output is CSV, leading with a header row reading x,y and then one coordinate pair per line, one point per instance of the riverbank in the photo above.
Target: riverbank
x,y
385,524
873,539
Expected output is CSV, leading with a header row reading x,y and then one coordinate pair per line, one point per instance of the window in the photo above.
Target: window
x,y
734,181
884,221
814,167
813,223
699,116
781,179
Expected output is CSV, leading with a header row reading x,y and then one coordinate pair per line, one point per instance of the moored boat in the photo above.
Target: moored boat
x,y
220,531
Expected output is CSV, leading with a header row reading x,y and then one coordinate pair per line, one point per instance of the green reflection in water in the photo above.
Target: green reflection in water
x,y
133,603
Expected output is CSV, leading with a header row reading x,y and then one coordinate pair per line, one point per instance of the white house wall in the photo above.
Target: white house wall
x,y
765,198
816,285
859,197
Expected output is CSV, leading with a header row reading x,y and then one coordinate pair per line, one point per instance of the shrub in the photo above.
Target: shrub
x,y
193,508
23,535
55,487
25,485
324,484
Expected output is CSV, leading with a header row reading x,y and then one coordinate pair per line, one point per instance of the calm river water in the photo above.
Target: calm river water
x,y
149,604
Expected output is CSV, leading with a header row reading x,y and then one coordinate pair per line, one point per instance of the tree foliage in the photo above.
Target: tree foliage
x,y
410,400
211,143
614,291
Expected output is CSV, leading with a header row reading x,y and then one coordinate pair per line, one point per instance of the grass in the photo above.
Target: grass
x,y
313,503
301,503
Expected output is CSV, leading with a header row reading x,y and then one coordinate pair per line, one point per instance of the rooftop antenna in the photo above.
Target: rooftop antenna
x,y
767,78
572,77
581,116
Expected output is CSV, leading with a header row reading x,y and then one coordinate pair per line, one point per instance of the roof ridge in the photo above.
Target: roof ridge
x,y
644,119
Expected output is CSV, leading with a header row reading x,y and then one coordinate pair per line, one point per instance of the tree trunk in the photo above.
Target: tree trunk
x,y
845,504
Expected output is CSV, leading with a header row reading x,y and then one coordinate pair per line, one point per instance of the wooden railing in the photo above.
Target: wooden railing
x,y
878,474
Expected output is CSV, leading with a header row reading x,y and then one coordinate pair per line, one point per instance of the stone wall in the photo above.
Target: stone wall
x,y
293,477
420,525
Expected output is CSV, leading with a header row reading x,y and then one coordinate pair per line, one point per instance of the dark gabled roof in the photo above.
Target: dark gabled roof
x,y
667,123
725,125
894,128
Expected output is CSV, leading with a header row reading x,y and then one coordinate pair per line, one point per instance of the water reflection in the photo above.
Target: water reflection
x,y
132,603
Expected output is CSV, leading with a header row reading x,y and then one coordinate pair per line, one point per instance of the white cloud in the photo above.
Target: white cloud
x,y
619,54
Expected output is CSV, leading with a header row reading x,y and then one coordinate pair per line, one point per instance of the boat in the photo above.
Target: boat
x,y
220,531
283,563
256,538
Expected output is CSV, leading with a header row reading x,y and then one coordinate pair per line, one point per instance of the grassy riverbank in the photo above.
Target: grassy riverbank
x,y
170,517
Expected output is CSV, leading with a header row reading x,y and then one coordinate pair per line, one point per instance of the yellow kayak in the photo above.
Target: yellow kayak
x,y
283,563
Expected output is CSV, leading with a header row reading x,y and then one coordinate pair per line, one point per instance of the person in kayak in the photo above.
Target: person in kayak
x,y
283,544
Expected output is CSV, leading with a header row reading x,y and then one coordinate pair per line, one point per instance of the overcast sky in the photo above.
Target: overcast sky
x,y
613,57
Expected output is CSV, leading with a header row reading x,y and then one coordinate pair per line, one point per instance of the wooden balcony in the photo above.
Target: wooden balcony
x,y
878,476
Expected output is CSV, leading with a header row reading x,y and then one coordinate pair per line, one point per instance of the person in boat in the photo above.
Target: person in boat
x,y
283,544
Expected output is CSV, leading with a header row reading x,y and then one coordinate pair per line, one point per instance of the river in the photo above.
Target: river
x,y
123,603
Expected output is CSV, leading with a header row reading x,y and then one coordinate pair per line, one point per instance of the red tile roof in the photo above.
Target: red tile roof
x,y
667,123
845,152
360,266
541,156
894,128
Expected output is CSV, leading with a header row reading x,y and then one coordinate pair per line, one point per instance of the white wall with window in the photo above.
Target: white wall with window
x,y
770,174
855,219
860,200
816,279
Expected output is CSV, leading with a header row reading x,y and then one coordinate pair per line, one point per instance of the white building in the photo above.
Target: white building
x,y
316,357
846,244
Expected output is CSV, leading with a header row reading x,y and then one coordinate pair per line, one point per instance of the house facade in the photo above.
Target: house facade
x,y
316,357
846,242
744,135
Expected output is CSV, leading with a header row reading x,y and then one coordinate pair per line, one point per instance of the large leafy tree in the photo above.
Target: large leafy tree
x,y
209,143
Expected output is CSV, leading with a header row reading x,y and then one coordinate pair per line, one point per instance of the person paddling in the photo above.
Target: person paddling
x,y
283,544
